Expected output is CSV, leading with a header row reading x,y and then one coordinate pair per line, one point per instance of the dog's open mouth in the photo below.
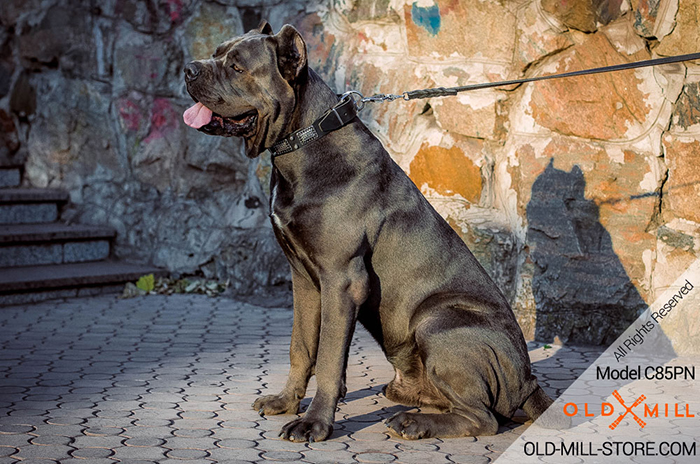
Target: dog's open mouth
x,y
202,118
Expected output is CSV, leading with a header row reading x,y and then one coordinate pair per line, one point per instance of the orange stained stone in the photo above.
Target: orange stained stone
x,y
447,171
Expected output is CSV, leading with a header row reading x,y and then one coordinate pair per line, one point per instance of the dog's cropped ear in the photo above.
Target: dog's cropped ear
x,y
291,53
264,28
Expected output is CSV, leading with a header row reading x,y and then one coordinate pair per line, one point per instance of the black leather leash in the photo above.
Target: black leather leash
x,y
353,101
450,91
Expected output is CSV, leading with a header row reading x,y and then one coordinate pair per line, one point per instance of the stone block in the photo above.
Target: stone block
x,y
155,159
682,189
675,251
287,12
380,38
9,177
62,39
147,64
683,37
460,29
585,15
654,18
523,304
578,15
610,106
151,16
12,10
401,129
686,113
222,160
29,255
372,10
472,114
211,25
324,49
72,133
7,66
28,213
623,37
539,34
80,252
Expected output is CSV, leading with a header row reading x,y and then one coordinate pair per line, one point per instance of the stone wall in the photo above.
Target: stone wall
x,y
579,196
92,95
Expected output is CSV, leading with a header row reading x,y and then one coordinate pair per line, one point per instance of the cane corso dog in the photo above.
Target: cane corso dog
x,y
364,245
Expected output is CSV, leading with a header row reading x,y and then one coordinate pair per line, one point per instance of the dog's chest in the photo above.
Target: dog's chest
x,y
290,225
273,201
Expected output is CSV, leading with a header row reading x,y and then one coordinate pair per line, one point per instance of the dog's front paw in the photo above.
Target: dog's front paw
x,y
306,430
276,404
411,426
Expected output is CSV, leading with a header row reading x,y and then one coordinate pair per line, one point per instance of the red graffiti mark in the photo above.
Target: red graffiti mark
x,y
175,7
130,114
164,118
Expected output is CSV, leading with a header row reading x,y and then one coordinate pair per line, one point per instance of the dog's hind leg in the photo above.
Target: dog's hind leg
x,y
412,387
464,417
302,350
475,368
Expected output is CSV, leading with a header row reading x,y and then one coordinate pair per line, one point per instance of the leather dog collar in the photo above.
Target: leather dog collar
x,y
333,119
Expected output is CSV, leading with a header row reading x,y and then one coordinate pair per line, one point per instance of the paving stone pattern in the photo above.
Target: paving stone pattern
x,y
103,380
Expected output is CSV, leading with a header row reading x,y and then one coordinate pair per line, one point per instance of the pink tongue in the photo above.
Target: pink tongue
x,y
197,116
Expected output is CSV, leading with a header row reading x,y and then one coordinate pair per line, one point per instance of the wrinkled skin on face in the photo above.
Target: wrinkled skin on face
x,y
234,89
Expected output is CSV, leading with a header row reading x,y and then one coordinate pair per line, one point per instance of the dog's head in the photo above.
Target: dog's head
x,y
248,87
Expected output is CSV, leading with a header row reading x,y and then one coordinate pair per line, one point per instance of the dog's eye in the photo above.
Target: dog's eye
x,y
236,68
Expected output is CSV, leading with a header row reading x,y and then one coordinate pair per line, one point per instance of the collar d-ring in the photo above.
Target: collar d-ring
x,y
357,97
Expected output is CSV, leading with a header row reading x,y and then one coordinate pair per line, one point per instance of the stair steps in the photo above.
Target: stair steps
x,y
30,284
42,258
30,205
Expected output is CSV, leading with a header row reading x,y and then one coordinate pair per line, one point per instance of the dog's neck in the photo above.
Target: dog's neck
x,y
314,99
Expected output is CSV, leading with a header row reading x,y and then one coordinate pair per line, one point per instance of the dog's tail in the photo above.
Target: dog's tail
x,y
537,407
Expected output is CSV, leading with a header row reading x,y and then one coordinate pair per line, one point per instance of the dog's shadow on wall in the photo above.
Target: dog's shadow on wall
x,y
582,292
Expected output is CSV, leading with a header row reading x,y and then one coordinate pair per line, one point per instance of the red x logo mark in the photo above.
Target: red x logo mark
x,y
628,410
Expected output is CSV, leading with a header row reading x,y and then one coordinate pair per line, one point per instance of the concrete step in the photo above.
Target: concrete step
x,y
10,176
27,233
30,205
20,285
53,243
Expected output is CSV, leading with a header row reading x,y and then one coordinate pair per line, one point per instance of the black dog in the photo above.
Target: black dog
x,y
363,244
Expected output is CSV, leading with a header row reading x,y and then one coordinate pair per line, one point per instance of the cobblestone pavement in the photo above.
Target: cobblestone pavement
x,y
103,380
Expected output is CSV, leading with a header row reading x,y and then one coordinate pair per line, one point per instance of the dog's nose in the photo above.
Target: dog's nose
x,y
192,71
